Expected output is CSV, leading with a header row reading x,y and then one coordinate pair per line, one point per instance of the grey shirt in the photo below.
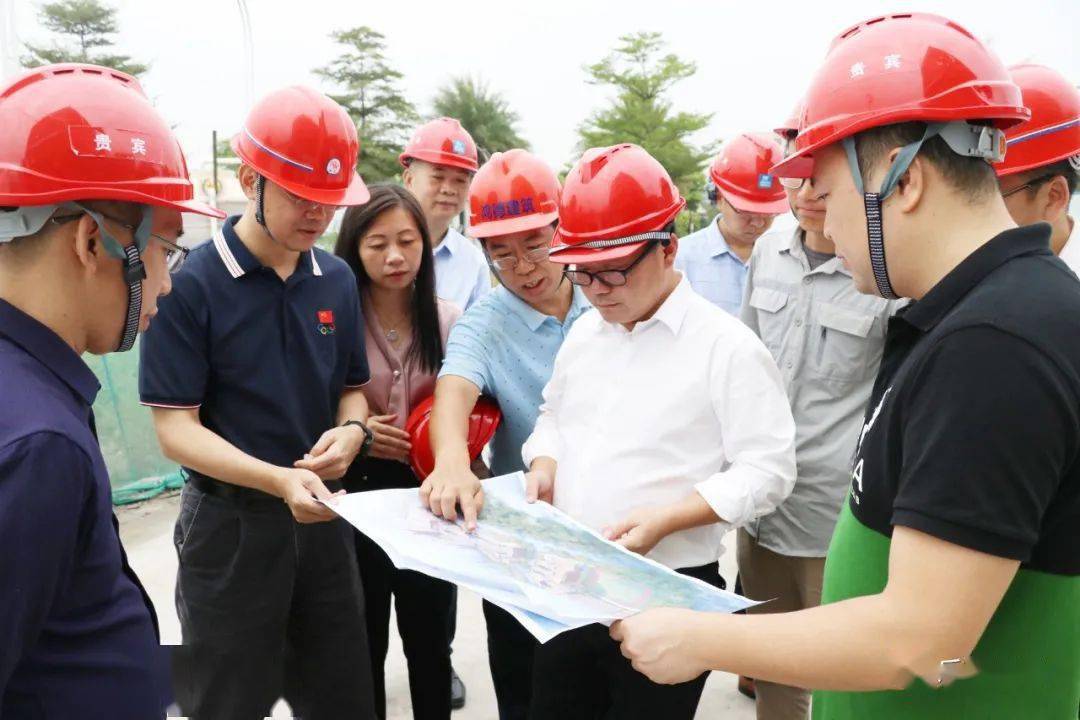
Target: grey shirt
x,y
827,339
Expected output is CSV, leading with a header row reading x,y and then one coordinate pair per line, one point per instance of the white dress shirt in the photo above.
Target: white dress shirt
x,y
688,401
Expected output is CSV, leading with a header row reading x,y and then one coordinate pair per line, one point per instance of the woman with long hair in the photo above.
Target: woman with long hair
x,y
387,245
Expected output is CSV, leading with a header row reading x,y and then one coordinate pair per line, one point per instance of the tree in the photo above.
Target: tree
x,y
642,114
485,114
88,25
369,91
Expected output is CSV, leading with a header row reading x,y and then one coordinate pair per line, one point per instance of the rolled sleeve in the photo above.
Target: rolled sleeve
x,y
758,434
174,363
466,354
45,484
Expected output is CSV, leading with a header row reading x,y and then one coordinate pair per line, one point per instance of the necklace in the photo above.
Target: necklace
x,y
392,336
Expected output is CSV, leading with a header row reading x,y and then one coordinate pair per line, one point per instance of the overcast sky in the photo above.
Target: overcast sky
x,y
754,58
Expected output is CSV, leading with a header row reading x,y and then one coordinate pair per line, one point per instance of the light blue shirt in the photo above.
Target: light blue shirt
x,y
507,349
714,271
461,271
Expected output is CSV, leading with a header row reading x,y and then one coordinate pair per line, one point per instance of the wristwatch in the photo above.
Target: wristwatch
x,y
369,437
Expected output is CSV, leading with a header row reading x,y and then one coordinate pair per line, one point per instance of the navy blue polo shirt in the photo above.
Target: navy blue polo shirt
x,y
264,360
78,637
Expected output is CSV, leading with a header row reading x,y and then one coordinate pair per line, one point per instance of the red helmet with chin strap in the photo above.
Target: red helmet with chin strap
x,y
74,132
902,68
614,201
304,142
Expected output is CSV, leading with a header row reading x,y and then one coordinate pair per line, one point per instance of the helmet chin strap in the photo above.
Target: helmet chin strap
x,y
963,138
260,207
134,270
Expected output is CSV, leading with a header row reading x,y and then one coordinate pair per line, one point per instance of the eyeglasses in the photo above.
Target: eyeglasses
x,y
174,257
794,183
309,205
1031,184
611,278
534,257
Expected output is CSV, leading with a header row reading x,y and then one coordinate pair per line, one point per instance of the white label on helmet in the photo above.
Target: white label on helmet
x,y
333,167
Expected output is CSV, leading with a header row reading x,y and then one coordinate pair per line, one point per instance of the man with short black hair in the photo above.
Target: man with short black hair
x,y
92,187
954,560
253,371
711,449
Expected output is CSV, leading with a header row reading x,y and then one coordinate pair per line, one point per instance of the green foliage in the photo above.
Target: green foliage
x,y
484,112
641,113
369,89
86,27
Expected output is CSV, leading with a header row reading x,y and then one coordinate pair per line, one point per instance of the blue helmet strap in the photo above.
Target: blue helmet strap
x,y
134,269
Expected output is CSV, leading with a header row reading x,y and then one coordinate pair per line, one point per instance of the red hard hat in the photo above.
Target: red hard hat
x,y
441,142
304,142
514,191
483,422
790,128
612,197
900,68
85,132
1053,132
741,172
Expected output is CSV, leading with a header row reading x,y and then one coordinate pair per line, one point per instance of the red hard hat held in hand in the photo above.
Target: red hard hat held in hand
x,y
1053,132
82,132
442,142
741,172
615,199
514,191
900,68
304,142
483,422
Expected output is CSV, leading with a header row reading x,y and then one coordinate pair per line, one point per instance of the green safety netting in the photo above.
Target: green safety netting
x,y
136,466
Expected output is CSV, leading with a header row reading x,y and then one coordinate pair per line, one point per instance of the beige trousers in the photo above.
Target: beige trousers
x,y
791,583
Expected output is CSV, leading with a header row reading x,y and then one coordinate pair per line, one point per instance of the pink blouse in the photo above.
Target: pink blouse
x,y
396,387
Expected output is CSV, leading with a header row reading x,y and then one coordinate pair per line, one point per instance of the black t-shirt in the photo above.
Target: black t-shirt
x,y
972,433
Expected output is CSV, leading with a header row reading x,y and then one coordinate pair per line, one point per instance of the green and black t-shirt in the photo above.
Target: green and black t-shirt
x,y
972,435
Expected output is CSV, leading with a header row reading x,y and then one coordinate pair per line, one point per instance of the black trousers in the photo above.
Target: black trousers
x,y
425,606
268,608
581,674
511,651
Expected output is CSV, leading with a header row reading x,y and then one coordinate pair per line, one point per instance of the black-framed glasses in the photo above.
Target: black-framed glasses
x,y
1030,184
175,254
534,257
611,278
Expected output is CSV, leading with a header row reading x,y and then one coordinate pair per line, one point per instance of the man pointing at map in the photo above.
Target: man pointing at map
x,y
664,425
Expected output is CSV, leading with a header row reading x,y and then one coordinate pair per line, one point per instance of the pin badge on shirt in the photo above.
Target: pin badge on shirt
x,y
326,322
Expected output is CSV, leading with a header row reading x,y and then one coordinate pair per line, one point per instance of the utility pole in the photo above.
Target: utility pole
x,y
9,44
